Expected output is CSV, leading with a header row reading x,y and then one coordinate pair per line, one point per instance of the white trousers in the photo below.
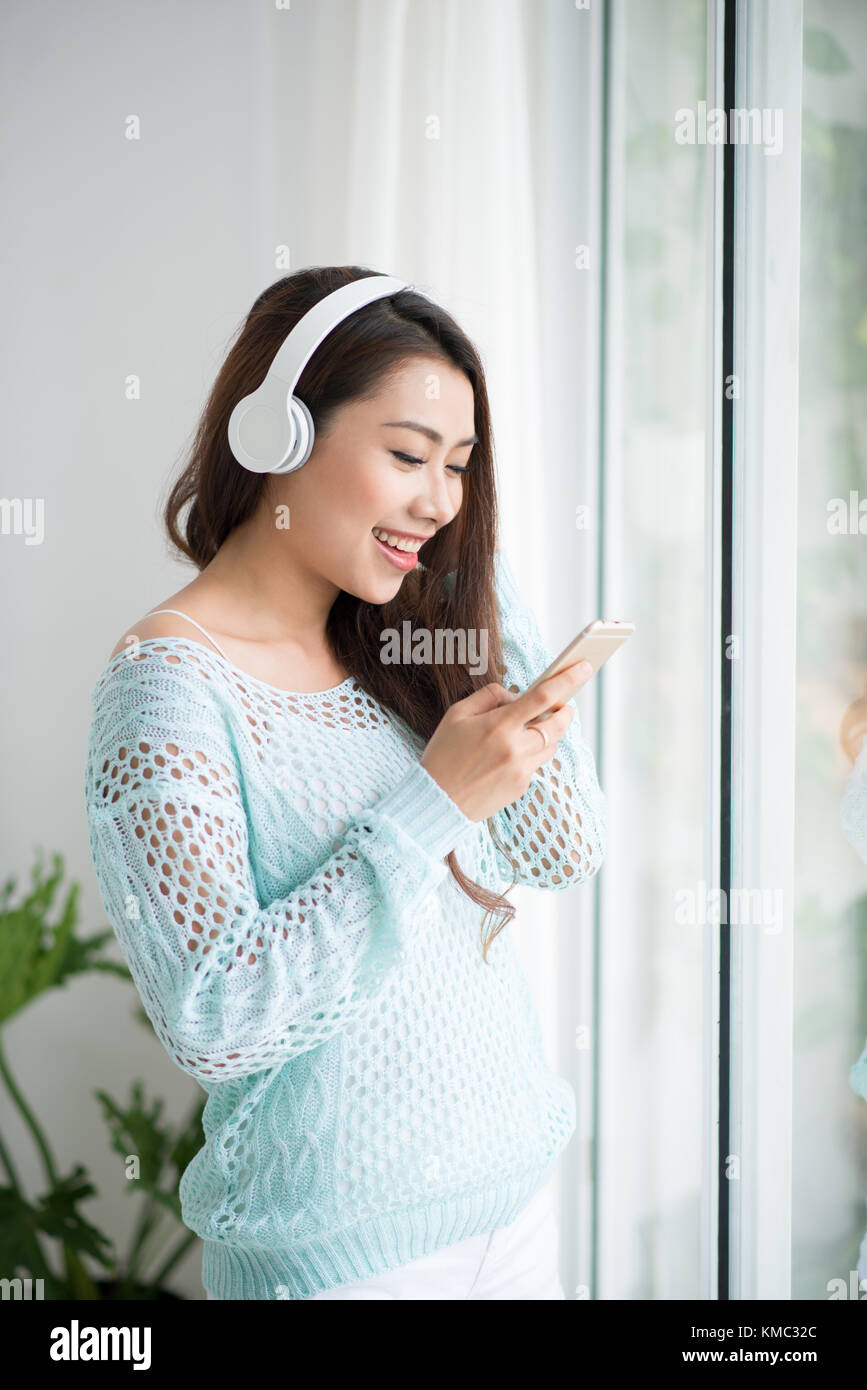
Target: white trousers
x,y
518,1261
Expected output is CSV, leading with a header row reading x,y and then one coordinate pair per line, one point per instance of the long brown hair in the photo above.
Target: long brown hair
x,y
373,343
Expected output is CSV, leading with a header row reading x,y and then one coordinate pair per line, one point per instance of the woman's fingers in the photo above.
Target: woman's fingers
x,y
556,690
483,701
553,729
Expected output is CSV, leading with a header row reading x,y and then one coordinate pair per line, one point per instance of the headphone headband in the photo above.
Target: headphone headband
x,y
271,430
319,321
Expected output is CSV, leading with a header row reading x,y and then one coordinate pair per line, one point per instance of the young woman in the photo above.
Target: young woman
x,y
310,782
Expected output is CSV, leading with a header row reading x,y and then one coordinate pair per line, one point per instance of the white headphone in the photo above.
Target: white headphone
x,y
271,430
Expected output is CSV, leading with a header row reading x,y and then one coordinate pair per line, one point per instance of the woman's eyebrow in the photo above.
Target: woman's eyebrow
x,y
431,433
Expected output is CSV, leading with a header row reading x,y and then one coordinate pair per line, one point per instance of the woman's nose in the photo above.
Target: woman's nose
x,y
436,500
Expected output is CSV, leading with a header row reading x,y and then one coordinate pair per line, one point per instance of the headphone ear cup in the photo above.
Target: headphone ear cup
x,y
303,432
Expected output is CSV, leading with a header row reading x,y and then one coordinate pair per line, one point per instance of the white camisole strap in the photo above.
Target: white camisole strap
x,y
189,620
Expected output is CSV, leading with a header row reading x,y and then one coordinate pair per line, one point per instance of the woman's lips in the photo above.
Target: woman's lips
x,y
402,559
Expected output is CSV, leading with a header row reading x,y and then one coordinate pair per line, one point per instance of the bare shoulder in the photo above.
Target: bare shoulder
x,y
161,625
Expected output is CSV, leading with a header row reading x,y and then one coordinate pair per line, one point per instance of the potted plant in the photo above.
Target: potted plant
x,y
37,955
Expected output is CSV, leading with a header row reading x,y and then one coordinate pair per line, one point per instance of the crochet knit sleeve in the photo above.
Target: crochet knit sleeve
x,y
231,985
858,1075
853,806
556,833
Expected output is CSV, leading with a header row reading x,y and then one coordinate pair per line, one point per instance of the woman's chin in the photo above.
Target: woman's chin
x,y
367,584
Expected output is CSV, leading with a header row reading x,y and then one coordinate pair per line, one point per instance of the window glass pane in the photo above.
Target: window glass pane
x,y
651,968
830,1119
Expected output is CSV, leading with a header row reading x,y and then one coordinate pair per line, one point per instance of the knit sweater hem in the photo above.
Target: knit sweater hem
x,y
366,1248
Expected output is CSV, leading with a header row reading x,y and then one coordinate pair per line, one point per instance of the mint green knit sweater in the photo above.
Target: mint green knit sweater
x,y
273,866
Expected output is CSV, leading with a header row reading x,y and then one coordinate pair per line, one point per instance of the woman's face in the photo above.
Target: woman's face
x,y
362,477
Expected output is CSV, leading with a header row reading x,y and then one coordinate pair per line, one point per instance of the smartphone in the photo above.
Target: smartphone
x,y
598,641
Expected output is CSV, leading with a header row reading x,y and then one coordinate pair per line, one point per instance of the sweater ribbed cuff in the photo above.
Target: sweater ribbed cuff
x,y
421,809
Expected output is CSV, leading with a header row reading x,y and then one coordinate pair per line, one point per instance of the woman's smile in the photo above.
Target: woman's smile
x,y
402,559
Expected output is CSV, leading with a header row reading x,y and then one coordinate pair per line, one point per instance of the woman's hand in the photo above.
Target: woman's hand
x,y
481,752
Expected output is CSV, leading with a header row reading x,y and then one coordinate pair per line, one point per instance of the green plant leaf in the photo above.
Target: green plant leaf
x,y
136,1130
816,138
162,1152
822,53
643,246
20,1255
189,1140
653,142
37,955
59,1217
55,1214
